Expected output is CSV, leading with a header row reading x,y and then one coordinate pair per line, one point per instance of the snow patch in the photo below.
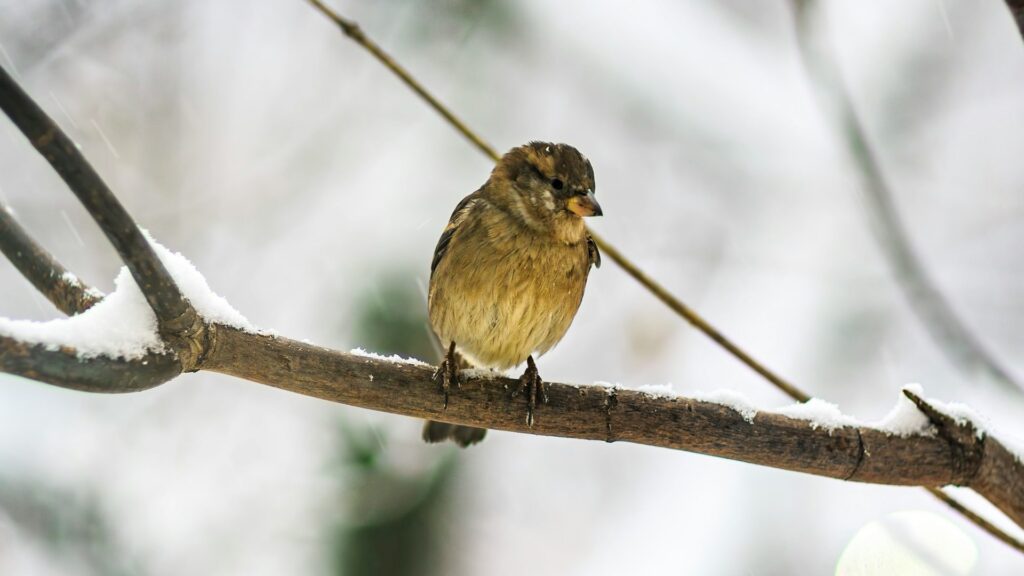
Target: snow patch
x,y
819,414
905,419
658,390
122,325
211,306
732,399
480,373
394,358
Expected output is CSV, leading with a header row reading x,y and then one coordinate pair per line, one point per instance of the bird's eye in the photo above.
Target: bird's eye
x,y
556,184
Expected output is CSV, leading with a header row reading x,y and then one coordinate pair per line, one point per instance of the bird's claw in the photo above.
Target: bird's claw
x,y
531,385
448,371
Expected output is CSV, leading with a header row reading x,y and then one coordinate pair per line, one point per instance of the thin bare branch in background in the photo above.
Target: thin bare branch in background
x,y
659,291
949,332
353,31
1017,11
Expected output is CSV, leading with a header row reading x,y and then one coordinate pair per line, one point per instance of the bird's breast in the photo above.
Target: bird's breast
x,y
501,297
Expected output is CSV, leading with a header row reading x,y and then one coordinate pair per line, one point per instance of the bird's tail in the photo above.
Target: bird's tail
x,y
462,435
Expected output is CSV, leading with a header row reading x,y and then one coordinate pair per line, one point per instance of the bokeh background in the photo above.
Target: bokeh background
x,y
309,187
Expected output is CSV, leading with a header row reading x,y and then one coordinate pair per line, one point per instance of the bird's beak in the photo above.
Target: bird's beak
x,y
585,205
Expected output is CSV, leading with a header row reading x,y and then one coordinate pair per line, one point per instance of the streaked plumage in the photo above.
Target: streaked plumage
x,y
511,266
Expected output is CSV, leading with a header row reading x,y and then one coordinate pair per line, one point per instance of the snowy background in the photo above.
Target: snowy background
x,y
309,187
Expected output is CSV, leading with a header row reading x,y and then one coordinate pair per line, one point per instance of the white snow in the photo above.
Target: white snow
x,y
658,390
394,358
905,419
819,413
731,398
122,325
211,306
72,279
480,373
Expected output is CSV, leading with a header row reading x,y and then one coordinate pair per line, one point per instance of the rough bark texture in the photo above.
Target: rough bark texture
x,y
42,269
61,367
615,414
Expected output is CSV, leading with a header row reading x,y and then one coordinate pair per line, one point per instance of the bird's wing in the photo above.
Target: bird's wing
x,y
458,217
592,252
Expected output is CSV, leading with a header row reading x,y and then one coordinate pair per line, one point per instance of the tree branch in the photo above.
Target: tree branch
x,y
62,367
608,414
948,331
176,316
60,287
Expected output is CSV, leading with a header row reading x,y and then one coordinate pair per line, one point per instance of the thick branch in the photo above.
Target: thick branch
x,y
41,269
585,412
62,367
175,314
615,414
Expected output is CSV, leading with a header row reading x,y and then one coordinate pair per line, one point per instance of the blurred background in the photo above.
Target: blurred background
x,y
310,187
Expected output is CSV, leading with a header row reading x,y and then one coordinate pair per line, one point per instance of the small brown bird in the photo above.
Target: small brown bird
x,y
509,270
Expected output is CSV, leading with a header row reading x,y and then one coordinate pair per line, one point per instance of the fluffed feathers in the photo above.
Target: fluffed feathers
x,y
509,271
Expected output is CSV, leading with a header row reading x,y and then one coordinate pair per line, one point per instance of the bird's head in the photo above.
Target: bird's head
x,y
548,182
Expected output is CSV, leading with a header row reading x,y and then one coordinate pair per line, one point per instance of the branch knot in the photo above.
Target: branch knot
x,y
966,441
190,337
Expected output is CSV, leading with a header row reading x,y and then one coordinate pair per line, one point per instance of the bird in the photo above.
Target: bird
x,y
509,271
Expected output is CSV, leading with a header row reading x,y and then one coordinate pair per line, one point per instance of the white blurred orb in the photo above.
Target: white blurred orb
x,y
910,543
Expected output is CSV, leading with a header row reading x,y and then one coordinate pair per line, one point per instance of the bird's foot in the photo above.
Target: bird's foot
x,y
532,386
448,372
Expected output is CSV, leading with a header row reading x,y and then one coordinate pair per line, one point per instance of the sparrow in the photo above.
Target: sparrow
x,y
509,270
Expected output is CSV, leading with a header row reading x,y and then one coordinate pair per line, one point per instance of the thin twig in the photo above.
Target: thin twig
x,y
978,520
37,265
351,29
698,322
949,332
